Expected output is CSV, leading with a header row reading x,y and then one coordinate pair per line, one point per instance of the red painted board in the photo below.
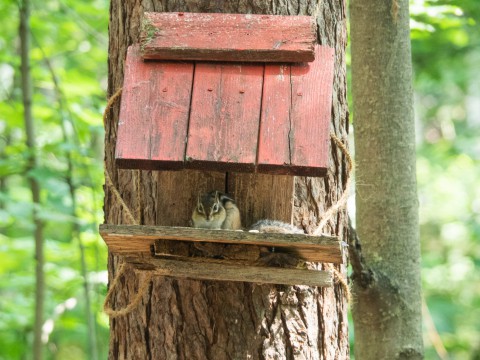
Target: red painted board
x,y
273,142
228,37
296,114
224,118
153,119
312,87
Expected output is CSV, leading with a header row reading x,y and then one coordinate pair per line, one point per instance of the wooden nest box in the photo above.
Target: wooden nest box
x,y
239,97
225,92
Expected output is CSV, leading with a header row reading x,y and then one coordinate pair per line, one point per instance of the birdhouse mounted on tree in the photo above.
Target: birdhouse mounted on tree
x,y
241,95
225,92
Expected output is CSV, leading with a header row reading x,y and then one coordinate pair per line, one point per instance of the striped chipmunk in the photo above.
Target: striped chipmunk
x,y
216,210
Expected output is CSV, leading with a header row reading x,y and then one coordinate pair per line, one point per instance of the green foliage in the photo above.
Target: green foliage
x,y
69,70
446,54
69,53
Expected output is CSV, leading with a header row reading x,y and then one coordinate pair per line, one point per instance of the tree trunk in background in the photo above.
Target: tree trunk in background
x,y
187,319
34,186
387,310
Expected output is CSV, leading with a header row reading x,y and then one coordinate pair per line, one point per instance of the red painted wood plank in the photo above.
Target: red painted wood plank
x,y
225,115
153,119
228,37
296,113
273,142
312,90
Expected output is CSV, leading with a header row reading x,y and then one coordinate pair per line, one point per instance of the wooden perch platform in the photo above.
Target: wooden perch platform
x,y
228,37
225,271
141,238
223,254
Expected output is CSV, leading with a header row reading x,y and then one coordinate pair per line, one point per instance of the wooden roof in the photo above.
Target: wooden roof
x,y
228,37
226,116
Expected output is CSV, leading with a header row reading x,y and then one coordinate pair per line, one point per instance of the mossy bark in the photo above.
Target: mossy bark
x,y
387,307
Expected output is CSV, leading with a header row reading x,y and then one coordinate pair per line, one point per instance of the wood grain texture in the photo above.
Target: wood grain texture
x,y
177,195
262,196
238,253
218,319
274,153
153,120
228,37
140,238
311,113
225,115
281,112
296,114
217,270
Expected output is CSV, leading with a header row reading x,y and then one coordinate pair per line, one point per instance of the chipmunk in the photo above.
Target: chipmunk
x,y
215,210
275,226
274,258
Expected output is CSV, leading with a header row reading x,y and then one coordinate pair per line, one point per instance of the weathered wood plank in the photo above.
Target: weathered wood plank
x,y
225,115
217,270
262,196
296,107
154,112
178,192
311,113
137,238
228,37
225,131
237,253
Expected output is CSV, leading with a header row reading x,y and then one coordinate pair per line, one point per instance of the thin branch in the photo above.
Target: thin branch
x,y
58,93
3,179
92,338
24,32
433,333
103,40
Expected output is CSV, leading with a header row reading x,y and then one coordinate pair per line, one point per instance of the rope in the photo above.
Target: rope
x,y
341,202
138,185
339,278
108,178
142,288
343,199
112,187
147,275
109,105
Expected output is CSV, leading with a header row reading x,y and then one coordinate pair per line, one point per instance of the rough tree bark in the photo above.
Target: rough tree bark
x,y
186,319
387,310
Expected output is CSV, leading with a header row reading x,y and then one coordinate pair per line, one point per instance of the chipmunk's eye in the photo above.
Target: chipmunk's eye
x,y
200,209
215,208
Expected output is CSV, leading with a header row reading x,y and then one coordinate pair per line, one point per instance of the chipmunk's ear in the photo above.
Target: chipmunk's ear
x,y
217,197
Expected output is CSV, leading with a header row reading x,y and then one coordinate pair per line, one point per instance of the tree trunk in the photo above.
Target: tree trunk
x,y
187,319
34,185
387,310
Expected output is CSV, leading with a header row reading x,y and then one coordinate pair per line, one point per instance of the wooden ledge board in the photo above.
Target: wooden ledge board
x,y
140,238
228,37
192,268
